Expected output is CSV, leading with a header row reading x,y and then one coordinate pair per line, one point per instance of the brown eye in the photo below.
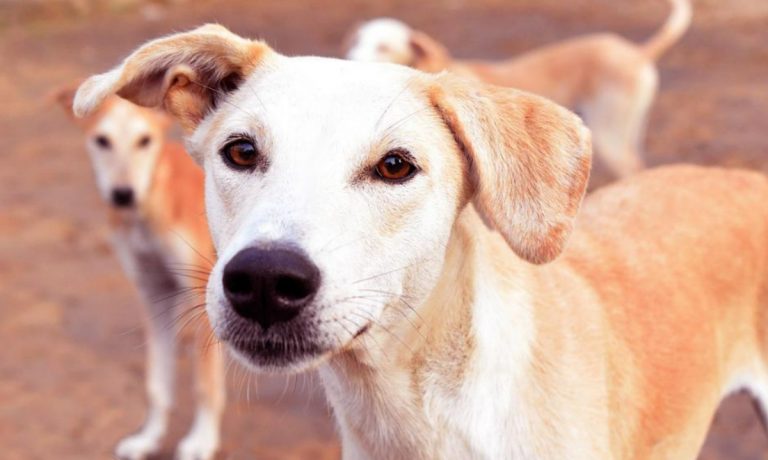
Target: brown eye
x,y
240,154
144,142
395,167
103,142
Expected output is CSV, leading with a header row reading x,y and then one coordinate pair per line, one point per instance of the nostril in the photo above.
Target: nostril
x,y
270,285
292,289
237,283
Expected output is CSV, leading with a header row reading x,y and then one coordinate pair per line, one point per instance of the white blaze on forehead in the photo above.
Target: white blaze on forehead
x,y
311,104
337,96
317,121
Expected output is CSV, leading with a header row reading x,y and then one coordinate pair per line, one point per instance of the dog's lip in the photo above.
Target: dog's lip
x,y
275,353
362,331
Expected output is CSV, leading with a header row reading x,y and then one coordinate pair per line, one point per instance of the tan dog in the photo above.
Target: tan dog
x,y
610,81
160,234
385,225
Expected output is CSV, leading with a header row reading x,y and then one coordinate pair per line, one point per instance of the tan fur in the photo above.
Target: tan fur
x,y
622,347
610,81
187,84
531,144
173,214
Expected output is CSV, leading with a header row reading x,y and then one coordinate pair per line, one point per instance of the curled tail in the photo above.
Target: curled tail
x,y
674,28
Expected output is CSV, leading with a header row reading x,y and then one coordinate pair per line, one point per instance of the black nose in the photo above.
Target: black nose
x,y
122,197
270,286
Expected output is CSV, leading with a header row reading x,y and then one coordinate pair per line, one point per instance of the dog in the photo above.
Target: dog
x,y
406,232
160,235
610,81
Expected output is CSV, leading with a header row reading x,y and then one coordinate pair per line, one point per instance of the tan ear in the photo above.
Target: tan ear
x,y
529,161
428,54
186,73
64,97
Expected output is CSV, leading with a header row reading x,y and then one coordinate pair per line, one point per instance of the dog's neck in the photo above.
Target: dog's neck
x,y
406,390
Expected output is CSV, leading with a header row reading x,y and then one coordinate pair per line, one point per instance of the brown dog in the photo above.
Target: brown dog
x,y
610,81
393,228
160,234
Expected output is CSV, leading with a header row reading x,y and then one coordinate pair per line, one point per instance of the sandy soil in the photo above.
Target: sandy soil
x,y
72,355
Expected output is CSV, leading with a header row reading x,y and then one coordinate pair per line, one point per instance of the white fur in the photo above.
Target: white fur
x,y
124,163
321,126
382,40
153,262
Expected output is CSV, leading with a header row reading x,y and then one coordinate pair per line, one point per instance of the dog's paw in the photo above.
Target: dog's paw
x,y
137,447
198,445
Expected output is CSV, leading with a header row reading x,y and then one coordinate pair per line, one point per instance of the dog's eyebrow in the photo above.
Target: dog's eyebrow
x,y
251,129
376,151
388,130
239,136
392,102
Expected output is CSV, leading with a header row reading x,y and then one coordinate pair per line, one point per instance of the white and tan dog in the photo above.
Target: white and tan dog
x,y
160,234
386,225
609,80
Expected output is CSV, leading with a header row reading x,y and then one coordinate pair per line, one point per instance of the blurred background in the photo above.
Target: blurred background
x,y
72,350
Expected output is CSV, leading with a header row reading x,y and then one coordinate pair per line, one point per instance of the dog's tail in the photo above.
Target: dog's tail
x,y
677,23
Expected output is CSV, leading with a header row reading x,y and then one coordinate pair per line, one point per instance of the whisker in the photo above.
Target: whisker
x,y
390,272
385,329
388,131
192,247
388,293
392,102
179,292
401,298
376,342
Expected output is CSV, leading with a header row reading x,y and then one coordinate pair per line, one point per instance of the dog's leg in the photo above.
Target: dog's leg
x,y
157,288
202,441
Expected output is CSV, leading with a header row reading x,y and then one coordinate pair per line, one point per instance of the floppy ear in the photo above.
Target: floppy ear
x,y
529,161
188,73
428,54
64,96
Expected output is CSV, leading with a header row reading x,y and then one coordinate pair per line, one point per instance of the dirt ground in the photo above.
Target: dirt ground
x,y
71,359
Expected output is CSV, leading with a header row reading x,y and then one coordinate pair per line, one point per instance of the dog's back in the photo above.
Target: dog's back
x,y
678,256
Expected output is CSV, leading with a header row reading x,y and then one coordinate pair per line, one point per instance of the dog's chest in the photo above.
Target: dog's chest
x,y
144,255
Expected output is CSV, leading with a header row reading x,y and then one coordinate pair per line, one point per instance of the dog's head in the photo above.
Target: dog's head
x,y
393,41
124,141
332,186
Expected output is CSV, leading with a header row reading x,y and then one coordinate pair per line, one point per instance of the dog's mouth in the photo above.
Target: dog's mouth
x,y
276,354
289,351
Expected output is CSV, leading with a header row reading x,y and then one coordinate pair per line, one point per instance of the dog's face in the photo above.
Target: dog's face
x,y
123,141
362,185
393,41
332,187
